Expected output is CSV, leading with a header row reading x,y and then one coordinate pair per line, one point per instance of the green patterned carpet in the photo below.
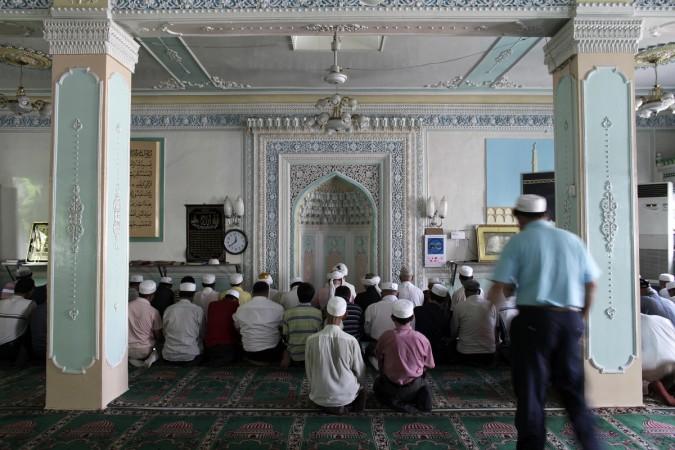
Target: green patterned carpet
x,y
246,407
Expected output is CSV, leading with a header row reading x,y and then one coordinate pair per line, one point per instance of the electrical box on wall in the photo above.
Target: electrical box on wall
x,y
434,247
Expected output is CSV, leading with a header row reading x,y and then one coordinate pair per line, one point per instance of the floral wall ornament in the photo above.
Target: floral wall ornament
x,y
608,226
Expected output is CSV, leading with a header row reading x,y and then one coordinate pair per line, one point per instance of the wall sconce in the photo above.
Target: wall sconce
x,y
436,214
234,212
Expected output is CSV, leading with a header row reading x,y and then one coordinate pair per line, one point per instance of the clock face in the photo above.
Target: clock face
x,y
235,242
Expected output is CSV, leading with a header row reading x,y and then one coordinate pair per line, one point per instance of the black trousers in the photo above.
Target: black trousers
x,y
546,349
412,397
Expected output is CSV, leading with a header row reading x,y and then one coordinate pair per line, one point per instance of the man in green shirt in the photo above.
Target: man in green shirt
x,y
298,324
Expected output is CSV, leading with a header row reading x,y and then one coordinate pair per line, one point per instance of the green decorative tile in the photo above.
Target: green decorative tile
x,y
167,431
89,431
252,433
17,429
420,432
341,433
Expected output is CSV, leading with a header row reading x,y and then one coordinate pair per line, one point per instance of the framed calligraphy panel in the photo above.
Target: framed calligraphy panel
x,y
205,227
146,189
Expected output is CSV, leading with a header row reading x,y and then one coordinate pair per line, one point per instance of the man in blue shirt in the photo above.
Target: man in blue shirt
x,y
653,304
554,274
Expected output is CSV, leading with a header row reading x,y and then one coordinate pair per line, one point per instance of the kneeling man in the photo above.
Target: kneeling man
x,y
403,355
334,364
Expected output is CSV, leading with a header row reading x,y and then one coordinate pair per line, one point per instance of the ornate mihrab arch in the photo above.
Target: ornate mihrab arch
x,y
277,163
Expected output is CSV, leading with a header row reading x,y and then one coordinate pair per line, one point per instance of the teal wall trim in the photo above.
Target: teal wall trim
x,y
504,54
116,255
174,55
74,290
159,238
612,343
566,154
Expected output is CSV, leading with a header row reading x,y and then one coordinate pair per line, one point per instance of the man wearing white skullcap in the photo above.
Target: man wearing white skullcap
x,y
342,268
377,317
221,342
372,294
134,281
207,295
267,278
408,290
145,327
432,319
465,273
334,365
236,279
473,327
403,355
165,296
335,279
183,328
664,279
290,299
555,276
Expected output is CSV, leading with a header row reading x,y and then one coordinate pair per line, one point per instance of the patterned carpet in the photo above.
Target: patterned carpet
x,y
246,407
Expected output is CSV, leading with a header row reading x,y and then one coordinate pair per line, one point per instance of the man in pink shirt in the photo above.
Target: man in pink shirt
x,y
145,327
403,355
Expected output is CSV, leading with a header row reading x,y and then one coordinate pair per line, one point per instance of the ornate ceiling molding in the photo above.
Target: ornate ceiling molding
x,y
25,57
91,36
339,28
657,54
593,35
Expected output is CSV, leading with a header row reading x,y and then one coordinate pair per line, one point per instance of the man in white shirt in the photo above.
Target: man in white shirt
x,y
145,326
273,294
658,355
378,315
344,270
333,364
207,295
473,323
465,274
290,299
664,279
15,314
259,322
183,328
407,290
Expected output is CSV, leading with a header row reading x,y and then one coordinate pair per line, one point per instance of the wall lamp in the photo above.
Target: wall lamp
x,y
234,212
436,214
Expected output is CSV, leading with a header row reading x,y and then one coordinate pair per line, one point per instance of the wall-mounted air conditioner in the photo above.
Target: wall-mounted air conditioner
x,y
655,219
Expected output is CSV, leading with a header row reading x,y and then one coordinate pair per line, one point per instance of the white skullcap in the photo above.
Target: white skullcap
x,y
530,203
208,278
135,278
670,285
466,271
440,290
403,309
166,280
236,278
389,286
666,277
296,280
188,287
370,281
23,272
266,277
336,307
341,267
232,293
214,262
336,275
147,287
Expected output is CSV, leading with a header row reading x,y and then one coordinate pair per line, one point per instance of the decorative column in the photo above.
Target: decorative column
x,y
591,60
93,59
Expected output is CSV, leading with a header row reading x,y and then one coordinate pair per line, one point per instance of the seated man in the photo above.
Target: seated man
x,y
459,296
298,324
273,294
333,364
653,304
183,328
290,299
403,355
407,289
658,356
378,315
259,322
473,324
164,297
145,327
430,284
15,313
207,295
135,280
372,294
335,280
236,279
222,339
434,323
353,323
664,279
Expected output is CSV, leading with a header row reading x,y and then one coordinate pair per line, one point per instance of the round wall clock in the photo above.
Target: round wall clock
x,y
235,242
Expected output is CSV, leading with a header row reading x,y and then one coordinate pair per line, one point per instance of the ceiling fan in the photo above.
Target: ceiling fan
x,y
657,100
21,103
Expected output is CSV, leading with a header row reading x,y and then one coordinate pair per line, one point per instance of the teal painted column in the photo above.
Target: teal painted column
x,y
89,254
592,64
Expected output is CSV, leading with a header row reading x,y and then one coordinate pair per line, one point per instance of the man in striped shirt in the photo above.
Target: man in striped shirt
x,y
298,324
353,323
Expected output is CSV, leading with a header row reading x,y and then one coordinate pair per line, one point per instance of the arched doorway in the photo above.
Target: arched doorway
x,y
335,220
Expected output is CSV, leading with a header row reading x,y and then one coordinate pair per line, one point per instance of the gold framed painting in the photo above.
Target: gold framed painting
x,y
492,239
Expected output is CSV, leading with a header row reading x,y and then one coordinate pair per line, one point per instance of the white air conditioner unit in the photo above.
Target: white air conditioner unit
x,y
655,219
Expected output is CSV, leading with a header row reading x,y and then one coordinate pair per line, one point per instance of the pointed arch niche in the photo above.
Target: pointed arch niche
x,y
283,166
335,220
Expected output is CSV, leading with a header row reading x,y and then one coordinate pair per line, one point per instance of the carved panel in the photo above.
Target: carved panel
x,y
566,154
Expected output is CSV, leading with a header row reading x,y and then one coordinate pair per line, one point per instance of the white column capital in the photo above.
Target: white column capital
x,y
593,35
91,36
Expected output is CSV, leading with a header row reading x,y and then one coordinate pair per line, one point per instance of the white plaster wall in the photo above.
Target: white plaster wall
x,y
199,167
456,169
24,188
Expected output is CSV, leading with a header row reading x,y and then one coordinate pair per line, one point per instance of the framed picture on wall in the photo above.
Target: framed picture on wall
x,y
38,248
146,189
492,239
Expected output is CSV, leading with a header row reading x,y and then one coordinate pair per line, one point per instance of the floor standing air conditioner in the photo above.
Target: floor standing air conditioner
x,y
655,220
